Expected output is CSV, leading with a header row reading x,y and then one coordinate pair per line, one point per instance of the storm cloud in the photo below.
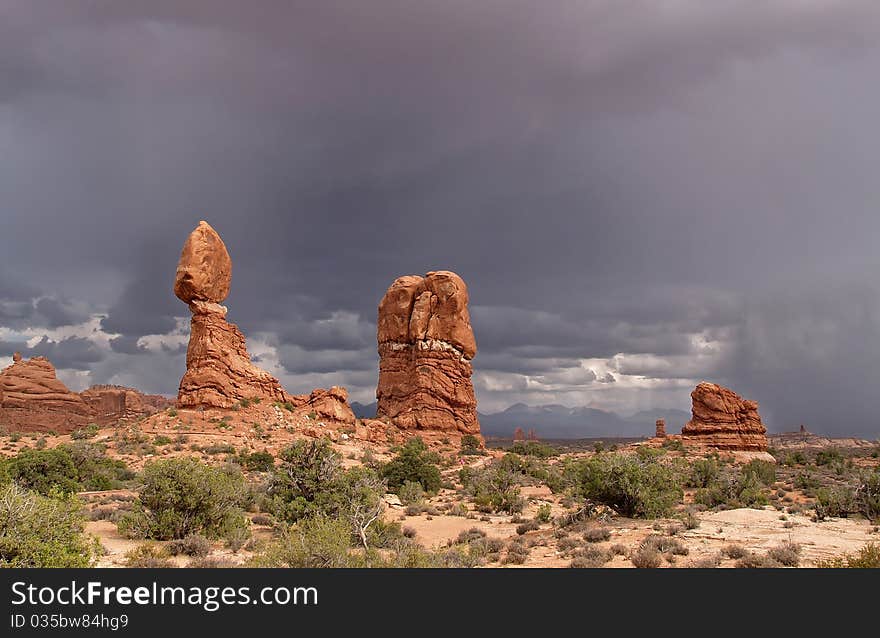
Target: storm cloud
x,y
639,195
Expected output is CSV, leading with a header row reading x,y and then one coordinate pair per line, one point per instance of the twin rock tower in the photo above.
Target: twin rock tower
x,y
425,342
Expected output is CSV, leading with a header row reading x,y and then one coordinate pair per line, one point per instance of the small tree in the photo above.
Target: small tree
x,y
184,496
413,462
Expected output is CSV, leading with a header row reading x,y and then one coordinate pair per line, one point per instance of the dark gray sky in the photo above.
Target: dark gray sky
x,y
639,194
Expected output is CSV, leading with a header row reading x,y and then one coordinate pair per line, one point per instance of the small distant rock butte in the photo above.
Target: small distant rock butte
x,y
426,345
722,419
219,371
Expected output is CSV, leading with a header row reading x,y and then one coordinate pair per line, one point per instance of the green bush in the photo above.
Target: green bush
x,y
744,490
43,470
310,482
845,500
256,461
88,432
411,493
704,472
184,496
470,444
494,488
533,448
313,542
96,471
763,471
632,487
43,531
413,462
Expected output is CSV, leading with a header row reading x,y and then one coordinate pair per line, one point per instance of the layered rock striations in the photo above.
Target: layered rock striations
x,y
722,419
32,399
110,404
426,345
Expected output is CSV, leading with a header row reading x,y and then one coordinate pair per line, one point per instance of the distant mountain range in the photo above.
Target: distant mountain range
x,y
561,422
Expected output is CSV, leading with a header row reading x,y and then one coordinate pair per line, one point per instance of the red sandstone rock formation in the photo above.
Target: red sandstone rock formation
x,y
660,429
724,420
111,403
219,372
426,344
32,399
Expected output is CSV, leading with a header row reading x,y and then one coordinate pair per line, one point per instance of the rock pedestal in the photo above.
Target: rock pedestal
x,y
722,419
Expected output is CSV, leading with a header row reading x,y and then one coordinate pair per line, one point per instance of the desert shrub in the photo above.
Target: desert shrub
x,y
413,462
664,545
673,444
763,471
148,556
255,461
43,531
757,561
411,493
43,470
843,501
517,553
640,489
88,432
673,529
313,542
806,481
161,440
828,456
263,519
597,534
646,558
707,562
211,562
690,520
472,534
567,543
306,482
533,448
184,496
470,444
218,448
544,513
787,554
867,557
528,526
734,551
618,549
494,488
310,482
744,490
409,532
704,472
191,545
590,557
95,470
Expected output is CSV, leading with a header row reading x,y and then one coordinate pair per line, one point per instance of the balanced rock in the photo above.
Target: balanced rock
x,y
219,372
426,344
204,272
32,399
722,419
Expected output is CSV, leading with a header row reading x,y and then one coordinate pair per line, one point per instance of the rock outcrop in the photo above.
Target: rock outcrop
x,y
660,429
426,344
111,403
722,419
219,371
32,399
